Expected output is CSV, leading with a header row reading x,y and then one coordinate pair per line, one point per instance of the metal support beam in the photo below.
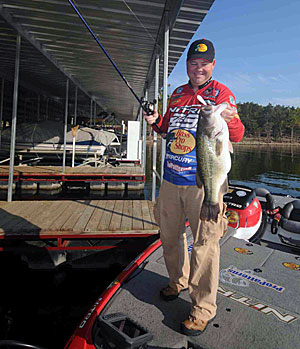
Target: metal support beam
x,y
75,105
165,87
91,113
1,109
66,126
144,136
14,120
38,107
47,109
154,149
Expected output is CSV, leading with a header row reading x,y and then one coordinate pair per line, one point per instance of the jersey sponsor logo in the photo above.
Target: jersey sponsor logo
x,y
209,91
217,91
178,168
175,101
178,158
175,97
185,117
180,142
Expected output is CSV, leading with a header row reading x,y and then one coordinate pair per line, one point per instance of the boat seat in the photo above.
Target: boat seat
x,y
270,204
290,219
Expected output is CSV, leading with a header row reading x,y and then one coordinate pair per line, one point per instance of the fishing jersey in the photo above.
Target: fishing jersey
x,y
180,125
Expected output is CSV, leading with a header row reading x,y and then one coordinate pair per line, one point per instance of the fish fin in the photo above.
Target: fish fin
x,y
230,147
198,181
224,187
221,107
209,212
219,148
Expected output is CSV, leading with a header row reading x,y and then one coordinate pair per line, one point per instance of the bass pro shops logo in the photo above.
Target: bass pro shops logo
x,y
181,142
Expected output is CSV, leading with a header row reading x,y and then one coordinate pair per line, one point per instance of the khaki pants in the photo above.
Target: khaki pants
x,y
175,204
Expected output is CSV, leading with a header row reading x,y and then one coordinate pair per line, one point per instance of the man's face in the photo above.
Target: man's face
x,y
199,70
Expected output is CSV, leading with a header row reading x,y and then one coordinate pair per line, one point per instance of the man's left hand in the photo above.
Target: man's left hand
x,y
228,114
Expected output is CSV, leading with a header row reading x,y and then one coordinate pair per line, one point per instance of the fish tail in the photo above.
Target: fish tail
x,y
209,212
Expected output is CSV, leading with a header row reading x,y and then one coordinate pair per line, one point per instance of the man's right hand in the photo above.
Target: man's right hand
x,y
151,119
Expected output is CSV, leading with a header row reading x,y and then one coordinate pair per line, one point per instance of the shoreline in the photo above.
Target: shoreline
x,y
265,142
249,142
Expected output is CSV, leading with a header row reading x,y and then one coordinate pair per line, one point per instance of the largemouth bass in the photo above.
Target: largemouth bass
x,y
213,158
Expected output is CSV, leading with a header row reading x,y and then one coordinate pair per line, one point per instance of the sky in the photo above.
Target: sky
x,y
257,45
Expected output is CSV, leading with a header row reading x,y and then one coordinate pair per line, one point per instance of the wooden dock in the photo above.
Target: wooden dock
x,y
76,219
123,173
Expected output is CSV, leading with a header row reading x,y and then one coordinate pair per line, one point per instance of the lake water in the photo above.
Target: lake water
x,y
276,168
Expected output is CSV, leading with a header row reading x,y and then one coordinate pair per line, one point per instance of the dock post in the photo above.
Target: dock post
x,y
91,115
38,107
1,109
154,133
75,106
75,123
14,120
95,113
47,109
165,87
65,126
144,136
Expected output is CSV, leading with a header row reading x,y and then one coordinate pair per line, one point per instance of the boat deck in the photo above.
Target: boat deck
x,y
125,173
76,219
258,302
255,310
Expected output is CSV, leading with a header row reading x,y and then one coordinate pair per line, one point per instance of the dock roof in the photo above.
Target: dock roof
x,y
56,46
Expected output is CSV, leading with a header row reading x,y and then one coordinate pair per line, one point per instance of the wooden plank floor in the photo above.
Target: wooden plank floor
x,y
78,217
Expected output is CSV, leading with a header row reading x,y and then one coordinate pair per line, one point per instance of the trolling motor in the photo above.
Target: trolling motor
x,y
246,214
147,106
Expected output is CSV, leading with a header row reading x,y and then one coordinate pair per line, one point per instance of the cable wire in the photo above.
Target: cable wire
x,y
146,30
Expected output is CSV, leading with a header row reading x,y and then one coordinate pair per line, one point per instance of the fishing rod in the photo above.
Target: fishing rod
x,y
147,106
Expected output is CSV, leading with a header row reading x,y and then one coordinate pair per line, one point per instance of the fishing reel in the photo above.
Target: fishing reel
x,y
148,107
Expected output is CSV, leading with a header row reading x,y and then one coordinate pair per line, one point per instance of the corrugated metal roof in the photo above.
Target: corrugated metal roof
x,y
57,45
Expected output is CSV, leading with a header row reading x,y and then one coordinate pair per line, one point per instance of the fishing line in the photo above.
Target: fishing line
x,y
146,30
148,107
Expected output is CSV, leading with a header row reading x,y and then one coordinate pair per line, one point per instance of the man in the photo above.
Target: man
x,y
180,197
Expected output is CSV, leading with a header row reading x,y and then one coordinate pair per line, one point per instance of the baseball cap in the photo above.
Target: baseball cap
x,y
202,49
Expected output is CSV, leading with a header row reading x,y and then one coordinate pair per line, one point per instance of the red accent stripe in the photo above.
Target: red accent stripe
x,y
81,339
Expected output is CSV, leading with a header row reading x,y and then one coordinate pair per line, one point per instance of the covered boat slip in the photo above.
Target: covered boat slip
x,y
53,69
48,137
258,301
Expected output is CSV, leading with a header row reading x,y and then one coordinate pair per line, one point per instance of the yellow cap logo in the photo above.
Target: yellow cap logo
x,y
201,48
